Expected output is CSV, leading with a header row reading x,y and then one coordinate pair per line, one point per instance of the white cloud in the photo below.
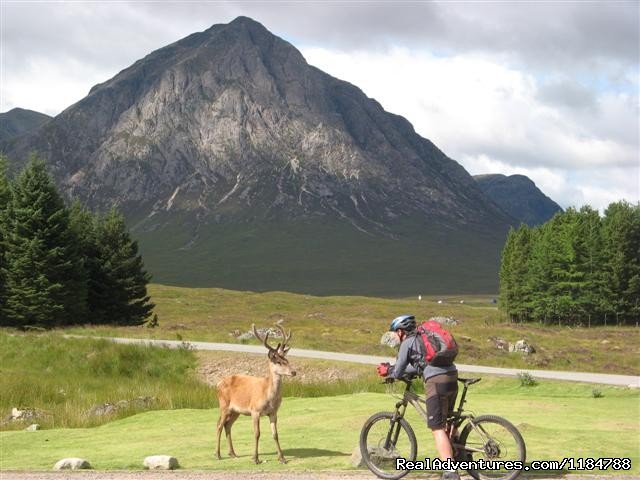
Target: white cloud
x,y
492,119
549,90
48,86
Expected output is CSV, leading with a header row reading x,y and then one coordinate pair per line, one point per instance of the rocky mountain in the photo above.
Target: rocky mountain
x,y
518,196
240,165
19,121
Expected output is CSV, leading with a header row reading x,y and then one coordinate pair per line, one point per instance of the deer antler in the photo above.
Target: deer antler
x,y
263,340
285,338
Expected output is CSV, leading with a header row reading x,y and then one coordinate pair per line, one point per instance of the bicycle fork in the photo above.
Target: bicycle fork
x,y
394,431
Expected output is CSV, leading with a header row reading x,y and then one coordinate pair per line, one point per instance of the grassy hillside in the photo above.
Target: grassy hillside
x,y
355,324
321,433
64,378
323,257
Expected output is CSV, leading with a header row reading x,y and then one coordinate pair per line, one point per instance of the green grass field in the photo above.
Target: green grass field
x,y
355,324
319,422
557,420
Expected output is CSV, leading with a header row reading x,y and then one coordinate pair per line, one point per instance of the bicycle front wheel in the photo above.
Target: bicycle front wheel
x,y
495,441
383,440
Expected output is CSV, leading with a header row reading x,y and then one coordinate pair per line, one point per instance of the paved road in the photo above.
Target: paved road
x,y
600,378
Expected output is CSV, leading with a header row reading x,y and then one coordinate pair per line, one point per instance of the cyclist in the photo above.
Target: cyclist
x,y
440,383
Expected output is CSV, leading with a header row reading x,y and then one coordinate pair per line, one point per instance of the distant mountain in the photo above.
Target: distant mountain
x,y
239,165
19,121
518,196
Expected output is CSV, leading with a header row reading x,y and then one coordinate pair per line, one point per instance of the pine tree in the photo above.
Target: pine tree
x,y
589,261
515,297
5,200
46,279
119,286
506,266
521,271
621,235
83,224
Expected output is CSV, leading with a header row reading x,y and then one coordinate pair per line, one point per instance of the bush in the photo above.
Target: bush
x,y
527,380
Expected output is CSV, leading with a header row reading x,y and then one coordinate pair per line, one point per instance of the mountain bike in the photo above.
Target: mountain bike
x,y
387,436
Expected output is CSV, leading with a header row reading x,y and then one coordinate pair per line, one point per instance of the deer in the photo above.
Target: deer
x,y
255,396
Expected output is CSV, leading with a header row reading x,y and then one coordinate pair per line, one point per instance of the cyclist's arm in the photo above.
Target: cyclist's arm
x,y
402,365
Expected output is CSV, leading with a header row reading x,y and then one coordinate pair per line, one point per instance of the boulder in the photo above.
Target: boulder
x,y
522,346
374,451
445,321
161,462
33,427
356,458
389,339
500,343
72,464
110,408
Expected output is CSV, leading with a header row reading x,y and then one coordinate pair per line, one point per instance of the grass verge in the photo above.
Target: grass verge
x,y
557,420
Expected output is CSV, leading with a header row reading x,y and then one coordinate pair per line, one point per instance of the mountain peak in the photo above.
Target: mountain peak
x,y
519,196
230,130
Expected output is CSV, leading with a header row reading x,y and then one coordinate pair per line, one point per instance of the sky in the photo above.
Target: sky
x,y
547,89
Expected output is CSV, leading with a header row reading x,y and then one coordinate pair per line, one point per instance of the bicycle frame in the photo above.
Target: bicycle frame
x,y
454,420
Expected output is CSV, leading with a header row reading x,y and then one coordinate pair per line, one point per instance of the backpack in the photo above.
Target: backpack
x,y
440,346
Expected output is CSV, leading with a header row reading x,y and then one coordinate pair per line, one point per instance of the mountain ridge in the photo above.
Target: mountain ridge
x,y
19,121
230,128
519,197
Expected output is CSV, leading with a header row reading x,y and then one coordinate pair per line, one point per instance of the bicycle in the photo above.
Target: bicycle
x,y
387,436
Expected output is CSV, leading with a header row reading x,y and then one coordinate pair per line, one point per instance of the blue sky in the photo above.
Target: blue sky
x,y
545,89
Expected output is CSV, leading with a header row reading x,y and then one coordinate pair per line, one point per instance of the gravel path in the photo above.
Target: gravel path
x,y
193,475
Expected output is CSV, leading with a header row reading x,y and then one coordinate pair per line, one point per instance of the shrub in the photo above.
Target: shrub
x,y
527,380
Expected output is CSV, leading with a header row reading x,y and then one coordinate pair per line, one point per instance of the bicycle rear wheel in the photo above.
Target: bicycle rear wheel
x,y
383,440
490,438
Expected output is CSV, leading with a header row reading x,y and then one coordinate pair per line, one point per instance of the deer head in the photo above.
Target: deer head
x,y
278,363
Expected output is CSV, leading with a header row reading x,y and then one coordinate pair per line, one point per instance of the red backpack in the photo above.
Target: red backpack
x,y
441,348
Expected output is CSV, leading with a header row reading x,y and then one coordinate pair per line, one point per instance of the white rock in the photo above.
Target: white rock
x,y
33,427
161,462
389,339
72,464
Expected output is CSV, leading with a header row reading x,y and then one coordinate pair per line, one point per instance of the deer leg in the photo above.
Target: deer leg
x,y
227,430
256,431
273,418
221,422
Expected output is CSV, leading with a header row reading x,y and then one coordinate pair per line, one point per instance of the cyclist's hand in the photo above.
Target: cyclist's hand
x,y
383,369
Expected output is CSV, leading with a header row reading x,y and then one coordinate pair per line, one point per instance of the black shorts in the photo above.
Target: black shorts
x,y
441,392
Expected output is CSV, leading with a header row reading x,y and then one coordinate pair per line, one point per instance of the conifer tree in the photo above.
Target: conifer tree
x,y
119,286
5,200
621,236
46,279
505,274
521,301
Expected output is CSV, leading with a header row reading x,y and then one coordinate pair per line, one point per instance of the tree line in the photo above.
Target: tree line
x,y
64,265
579,268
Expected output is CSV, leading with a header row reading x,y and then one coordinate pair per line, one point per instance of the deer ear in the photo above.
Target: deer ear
x,y
285,351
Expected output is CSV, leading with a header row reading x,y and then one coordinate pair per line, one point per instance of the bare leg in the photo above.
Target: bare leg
x,y
274,432
443,445
227,429
256,431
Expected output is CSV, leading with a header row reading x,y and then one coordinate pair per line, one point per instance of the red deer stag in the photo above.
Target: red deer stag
x,y
255,396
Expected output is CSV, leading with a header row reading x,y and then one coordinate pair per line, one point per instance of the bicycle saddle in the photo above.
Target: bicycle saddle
x,y
469,381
